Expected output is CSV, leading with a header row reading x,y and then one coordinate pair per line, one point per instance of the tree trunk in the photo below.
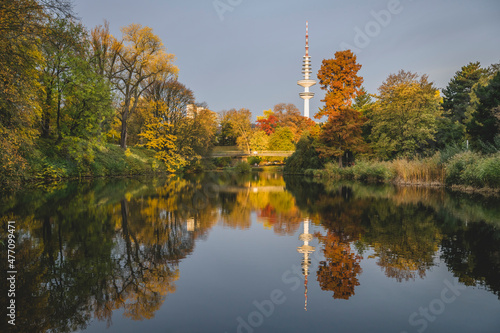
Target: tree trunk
x,y
340,162
46,115
59,134
123,138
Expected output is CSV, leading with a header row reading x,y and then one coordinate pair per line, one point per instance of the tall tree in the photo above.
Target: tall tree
x,y
62,46
137,59
456,96
22,27
338,77
484,116
342,131
405,115
456,101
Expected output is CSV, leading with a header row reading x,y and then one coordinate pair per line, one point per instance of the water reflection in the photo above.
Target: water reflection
x,y
88,249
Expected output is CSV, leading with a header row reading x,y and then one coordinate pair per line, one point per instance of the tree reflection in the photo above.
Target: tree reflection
x,y
339,272
405,239
87,249
473,254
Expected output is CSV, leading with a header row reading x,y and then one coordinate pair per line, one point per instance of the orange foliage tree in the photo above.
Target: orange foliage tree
x,y
342,131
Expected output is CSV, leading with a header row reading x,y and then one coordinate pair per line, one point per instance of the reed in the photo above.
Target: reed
x,y
419,171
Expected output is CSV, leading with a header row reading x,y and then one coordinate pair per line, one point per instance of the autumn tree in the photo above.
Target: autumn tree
x,y
343,128
282,140
196,135
191,126
138,58
239,126
22,27
259,141
165,99
268,122
171,99
405,115
288,115
157,137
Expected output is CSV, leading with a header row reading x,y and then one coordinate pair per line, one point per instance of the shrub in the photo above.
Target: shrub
x,y
456,169
242,167
490,171
254,160
369,172
305,157
221,162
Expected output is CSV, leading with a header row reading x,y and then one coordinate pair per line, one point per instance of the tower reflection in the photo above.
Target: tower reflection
x,y
306,250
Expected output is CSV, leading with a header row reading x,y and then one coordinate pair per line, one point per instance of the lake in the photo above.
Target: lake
x,y
250,253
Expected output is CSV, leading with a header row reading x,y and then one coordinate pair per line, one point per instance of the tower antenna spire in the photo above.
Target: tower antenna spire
x,y
307,38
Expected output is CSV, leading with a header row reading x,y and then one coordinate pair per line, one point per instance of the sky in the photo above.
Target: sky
x,y
248,53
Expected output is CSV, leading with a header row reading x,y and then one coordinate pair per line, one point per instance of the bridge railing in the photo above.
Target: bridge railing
x,y
274,153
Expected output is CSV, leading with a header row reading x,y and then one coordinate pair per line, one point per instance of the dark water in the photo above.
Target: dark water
x,y
220,253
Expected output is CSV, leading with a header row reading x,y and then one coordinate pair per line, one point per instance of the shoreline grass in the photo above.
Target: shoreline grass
x,y
464,171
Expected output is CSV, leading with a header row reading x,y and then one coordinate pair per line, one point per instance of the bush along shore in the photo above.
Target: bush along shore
x,y
466,171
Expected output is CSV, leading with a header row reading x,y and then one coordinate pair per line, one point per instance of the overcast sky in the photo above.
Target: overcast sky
x,y
248,53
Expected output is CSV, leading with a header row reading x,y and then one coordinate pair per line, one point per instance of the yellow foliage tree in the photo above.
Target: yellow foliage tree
x,y
157,137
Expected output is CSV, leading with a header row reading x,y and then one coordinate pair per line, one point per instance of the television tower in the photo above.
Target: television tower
x,y
307,82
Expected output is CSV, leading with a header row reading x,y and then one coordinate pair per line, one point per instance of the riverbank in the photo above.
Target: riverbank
x,y
466,171
73,158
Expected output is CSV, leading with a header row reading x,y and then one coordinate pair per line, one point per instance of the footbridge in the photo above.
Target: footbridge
x,y
240,154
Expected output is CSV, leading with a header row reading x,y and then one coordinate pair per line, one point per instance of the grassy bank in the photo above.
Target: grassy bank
x,y
465,170
75,158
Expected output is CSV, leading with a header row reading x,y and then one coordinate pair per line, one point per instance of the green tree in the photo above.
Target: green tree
x,y
404,117
305,156
75,97
362,100
364,104
456,101
456,96
484,115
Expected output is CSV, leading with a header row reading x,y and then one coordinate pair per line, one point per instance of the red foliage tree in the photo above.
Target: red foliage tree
x,y
268,124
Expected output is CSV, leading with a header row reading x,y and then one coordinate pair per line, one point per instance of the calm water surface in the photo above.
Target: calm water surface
x,y
253,253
